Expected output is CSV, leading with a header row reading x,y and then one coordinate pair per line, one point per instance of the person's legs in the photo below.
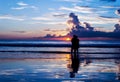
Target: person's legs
x,y
71,50
77,51
72,53
75,54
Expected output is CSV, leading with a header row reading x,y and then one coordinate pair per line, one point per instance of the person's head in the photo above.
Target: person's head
x,y
75,36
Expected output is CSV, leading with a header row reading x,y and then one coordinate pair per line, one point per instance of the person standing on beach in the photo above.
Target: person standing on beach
x,y
75,45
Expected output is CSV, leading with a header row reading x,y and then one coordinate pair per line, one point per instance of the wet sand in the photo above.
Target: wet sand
x,y
57,70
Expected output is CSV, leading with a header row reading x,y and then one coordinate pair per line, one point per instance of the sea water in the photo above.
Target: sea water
x,y
23,51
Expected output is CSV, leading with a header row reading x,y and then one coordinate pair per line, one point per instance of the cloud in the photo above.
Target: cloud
x,y
33,7
51,18
74,19
55,30
76,1
56,23
47,29
110,7
86,29
79,9
88,26
74,23
89,31
84,9
96,19
49,36
117,27
59,14
108,0
19,31
49,23
42,18
117,12
22,5
18,8
107,19
9,17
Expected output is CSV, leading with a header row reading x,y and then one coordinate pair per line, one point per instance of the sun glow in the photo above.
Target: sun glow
x,y
68,39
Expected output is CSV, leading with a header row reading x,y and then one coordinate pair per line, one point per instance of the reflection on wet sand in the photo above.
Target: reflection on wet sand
x,y
93,66
117,61
74,66
75,62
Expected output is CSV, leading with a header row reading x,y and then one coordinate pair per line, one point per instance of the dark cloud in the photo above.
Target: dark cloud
x,y
74,23
47,30
59,15
117,12
107,17
75,19
88,26
87,30
77,28
95,34
55,30
49,36
19,31
117,28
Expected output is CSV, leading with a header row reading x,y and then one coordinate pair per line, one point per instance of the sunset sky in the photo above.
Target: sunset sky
x,y
35,18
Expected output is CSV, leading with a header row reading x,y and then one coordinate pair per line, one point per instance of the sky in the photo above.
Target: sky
x,y
37,18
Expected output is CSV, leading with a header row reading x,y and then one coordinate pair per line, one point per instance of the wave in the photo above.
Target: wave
x,y
59,45
46,56
60,52
56,55
24,43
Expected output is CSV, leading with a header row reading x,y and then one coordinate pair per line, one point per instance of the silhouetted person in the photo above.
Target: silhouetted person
x,y
74,66
75,45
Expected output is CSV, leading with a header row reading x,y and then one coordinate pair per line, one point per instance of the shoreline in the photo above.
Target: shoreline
x,y
58,45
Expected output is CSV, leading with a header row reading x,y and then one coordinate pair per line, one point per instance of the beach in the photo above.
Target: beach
x,y
26,66
39,70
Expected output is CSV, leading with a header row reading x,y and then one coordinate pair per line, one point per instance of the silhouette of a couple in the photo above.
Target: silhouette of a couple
x,y
74,56
75,45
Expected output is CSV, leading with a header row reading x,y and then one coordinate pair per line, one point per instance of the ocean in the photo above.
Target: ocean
x,y
42,61
13,49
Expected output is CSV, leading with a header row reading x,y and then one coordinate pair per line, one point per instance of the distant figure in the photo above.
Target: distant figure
x,y
75,45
